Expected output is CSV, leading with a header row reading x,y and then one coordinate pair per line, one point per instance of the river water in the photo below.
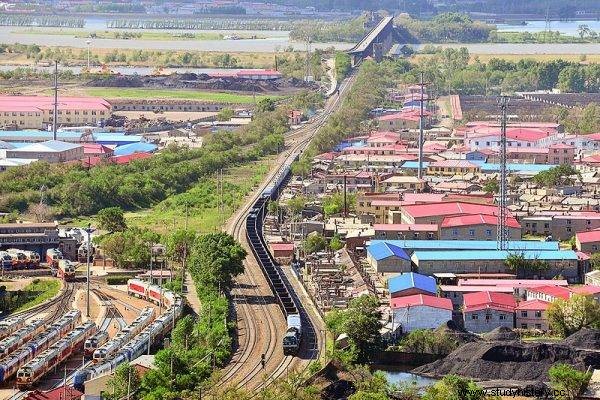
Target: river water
x,y
565,27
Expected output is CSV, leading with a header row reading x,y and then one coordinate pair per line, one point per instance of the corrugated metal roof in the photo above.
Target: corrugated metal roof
x,y
421,300
131,148
382,250
50,146
468,244
411,280
465,255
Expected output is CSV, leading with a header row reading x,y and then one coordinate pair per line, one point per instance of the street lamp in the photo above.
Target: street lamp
x,y
88,42
89,230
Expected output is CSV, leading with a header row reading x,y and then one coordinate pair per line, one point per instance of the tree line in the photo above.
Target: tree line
x,y
41,20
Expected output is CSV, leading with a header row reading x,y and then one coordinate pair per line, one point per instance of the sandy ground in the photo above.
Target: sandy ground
x,y
80,303
167,115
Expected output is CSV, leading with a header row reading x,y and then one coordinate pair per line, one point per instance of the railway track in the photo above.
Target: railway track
x,y
112,312
261,324
59,305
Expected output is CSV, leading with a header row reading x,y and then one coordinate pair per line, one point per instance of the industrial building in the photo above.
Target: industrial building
x,y
37,112
52,151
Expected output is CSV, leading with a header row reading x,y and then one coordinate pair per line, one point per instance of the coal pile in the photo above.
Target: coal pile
x,y
501,333
509,361
459,334
584,339
117,81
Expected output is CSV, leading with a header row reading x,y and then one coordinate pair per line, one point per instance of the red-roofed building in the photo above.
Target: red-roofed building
x,y
405,231
587,290
420,311
476,227
485,311
532,315
130,157
36,112
548,293
60,393
96,150
408,119
282,249
588,242
434,213
455,293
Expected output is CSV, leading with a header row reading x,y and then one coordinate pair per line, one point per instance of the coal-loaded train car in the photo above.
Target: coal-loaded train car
x,y
138,344
275,277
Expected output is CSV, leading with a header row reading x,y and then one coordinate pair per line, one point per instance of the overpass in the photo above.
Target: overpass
x,y
376,43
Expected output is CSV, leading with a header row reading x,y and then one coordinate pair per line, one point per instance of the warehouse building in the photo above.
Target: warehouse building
x,y
561,262
37,112
386,257
411,283
486,311
419,311
52,151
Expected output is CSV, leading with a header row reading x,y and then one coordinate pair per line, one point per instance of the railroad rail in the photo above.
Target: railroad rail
x,y
260,327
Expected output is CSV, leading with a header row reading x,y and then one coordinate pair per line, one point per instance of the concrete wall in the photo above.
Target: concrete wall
x,y
420,317
476,232
390,264
530,320
487,320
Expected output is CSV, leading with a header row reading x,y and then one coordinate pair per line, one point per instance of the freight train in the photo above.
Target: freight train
x,y
294,333
43,363
11,364
141,342
124,336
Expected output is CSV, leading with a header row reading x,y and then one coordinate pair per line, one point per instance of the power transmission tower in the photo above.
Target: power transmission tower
x,y
421,125
502,233
547,32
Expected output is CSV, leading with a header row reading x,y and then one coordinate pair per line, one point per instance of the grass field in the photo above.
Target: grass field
x,y
135,93
203,212
41,290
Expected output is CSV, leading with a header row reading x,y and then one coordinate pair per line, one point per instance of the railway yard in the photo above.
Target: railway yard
x,y
47,341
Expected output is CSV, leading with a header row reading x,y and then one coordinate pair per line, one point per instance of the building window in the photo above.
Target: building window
x,y
538,314
474,316
502,317
524,314
523,326
538,326
471,232
454,232
488,232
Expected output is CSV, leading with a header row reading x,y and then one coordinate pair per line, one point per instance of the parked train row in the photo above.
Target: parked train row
x,y
21,356
124,336
10,325
35,369
139,343
254,232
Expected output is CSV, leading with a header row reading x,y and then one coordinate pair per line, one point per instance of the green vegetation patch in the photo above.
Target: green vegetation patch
x,y
218,97
37,292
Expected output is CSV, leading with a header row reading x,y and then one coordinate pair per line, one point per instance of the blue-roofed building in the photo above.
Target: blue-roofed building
x,y
386,257
560,262
132,148
71,136
488,168
411,283
414,245
52,151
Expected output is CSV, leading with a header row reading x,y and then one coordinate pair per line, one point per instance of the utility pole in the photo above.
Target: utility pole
x,y
87,255
421,123
345,198
501,233
55,117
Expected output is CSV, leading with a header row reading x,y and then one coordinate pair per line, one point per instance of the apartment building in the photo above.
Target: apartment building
x,y
37,112
560,226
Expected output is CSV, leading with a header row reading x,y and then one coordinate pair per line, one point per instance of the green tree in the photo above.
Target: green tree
x,y
491,186
336,243
566,379
125,381
216,259
361,322
571,79
595,261
111,219
313,243
430,342
265,105
179,243
557,176
522,267
453,387
130,248
569,316
296,204
225,114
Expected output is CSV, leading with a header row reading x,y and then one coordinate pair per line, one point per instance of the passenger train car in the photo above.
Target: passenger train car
x,y
10,325
95,341
43,363
124,336
66,270
147,291
53,256
10,365
139,343
20,336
